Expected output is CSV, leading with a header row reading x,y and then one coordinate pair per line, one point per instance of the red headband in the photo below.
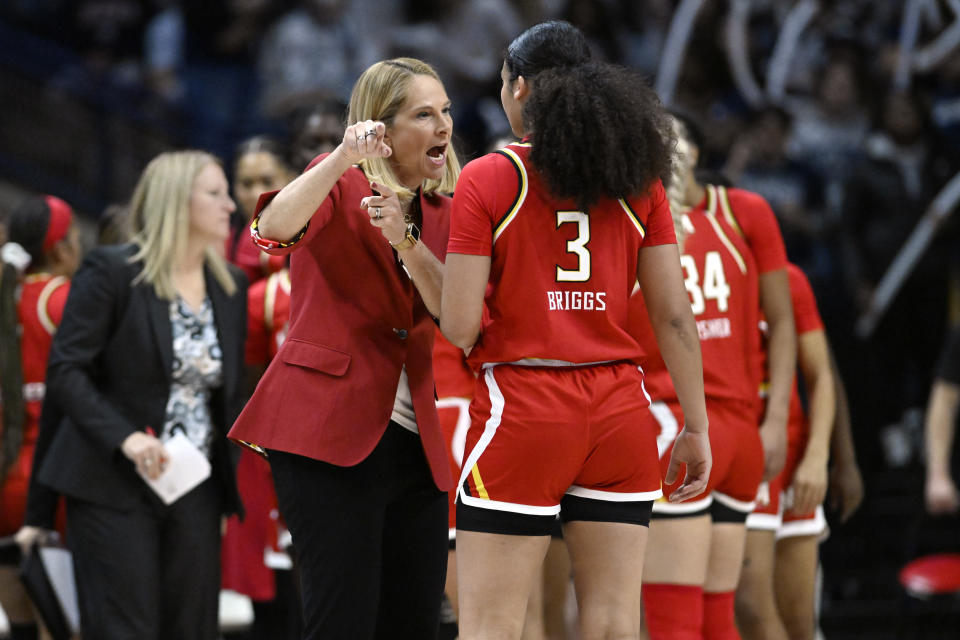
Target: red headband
x,y
61,217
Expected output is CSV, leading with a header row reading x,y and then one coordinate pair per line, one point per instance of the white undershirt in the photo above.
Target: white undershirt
x,y
403,413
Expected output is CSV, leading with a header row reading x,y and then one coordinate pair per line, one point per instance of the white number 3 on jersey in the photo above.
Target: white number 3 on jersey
x,y
577,246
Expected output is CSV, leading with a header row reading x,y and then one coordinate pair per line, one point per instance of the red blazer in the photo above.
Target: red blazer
x,y
355,319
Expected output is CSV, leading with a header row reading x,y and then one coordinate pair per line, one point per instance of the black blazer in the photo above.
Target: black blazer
x,y
109,375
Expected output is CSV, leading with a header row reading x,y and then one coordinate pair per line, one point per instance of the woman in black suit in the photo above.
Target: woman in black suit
x,y
151,345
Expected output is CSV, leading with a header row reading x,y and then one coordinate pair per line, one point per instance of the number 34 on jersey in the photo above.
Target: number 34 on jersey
x,y
710,285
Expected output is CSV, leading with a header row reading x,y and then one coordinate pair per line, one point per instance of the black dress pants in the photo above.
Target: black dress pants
x,y
371,541
151,572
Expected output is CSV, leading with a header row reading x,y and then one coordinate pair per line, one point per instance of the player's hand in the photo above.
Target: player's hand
x,y
692,449
147,453
846,489
365,140
773,434
940,494
809,484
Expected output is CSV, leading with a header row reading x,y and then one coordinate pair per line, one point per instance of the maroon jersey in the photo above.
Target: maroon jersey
x,y
560,277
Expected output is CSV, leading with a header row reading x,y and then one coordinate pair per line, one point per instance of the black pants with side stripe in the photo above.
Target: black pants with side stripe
x,y
370,540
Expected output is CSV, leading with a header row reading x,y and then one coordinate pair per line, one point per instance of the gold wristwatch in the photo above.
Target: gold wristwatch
x,y
409,240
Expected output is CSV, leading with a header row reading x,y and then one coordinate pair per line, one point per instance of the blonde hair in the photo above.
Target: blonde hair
x,y
378,94
160,220
681,169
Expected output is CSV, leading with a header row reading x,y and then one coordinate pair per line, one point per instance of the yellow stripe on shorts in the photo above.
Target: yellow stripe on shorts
x,y
481,491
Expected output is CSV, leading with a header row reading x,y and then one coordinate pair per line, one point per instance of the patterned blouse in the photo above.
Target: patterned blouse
x,y
197,368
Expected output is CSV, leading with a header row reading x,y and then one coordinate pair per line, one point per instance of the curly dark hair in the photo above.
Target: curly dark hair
x,y
599,131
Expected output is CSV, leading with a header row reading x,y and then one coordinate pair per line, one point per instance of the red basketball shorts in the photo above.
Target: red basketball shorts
x,y
773,512
540,433
737,457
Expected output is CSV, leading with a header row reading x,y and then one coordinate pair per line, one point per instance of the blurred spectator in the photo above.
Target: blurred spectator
x,y
221,41
758,162
108,35
603,22
645,33
164,49
888,190
534,11
311,50
885,196
829,129
940,493
39,16
705,87
464,41
316,129
113,225
945,106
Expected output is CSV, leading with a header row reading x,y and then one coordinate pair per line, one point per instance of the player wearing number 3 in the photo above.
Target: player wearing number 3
x,y
561,226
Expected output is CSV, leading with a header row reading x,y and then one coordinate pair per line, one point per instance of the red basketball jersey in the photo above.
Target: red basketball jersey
x,y
268,317
751,217
560,278
721,279
806,317
42,299
40,309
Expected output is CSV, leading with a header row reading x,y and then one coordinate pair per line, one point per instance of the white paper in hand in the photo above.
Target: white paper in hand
x,y
186,468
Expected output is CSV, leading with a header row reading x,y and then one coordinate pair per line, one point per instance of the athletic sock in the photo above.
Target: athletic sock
x,y
718,618
673,611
